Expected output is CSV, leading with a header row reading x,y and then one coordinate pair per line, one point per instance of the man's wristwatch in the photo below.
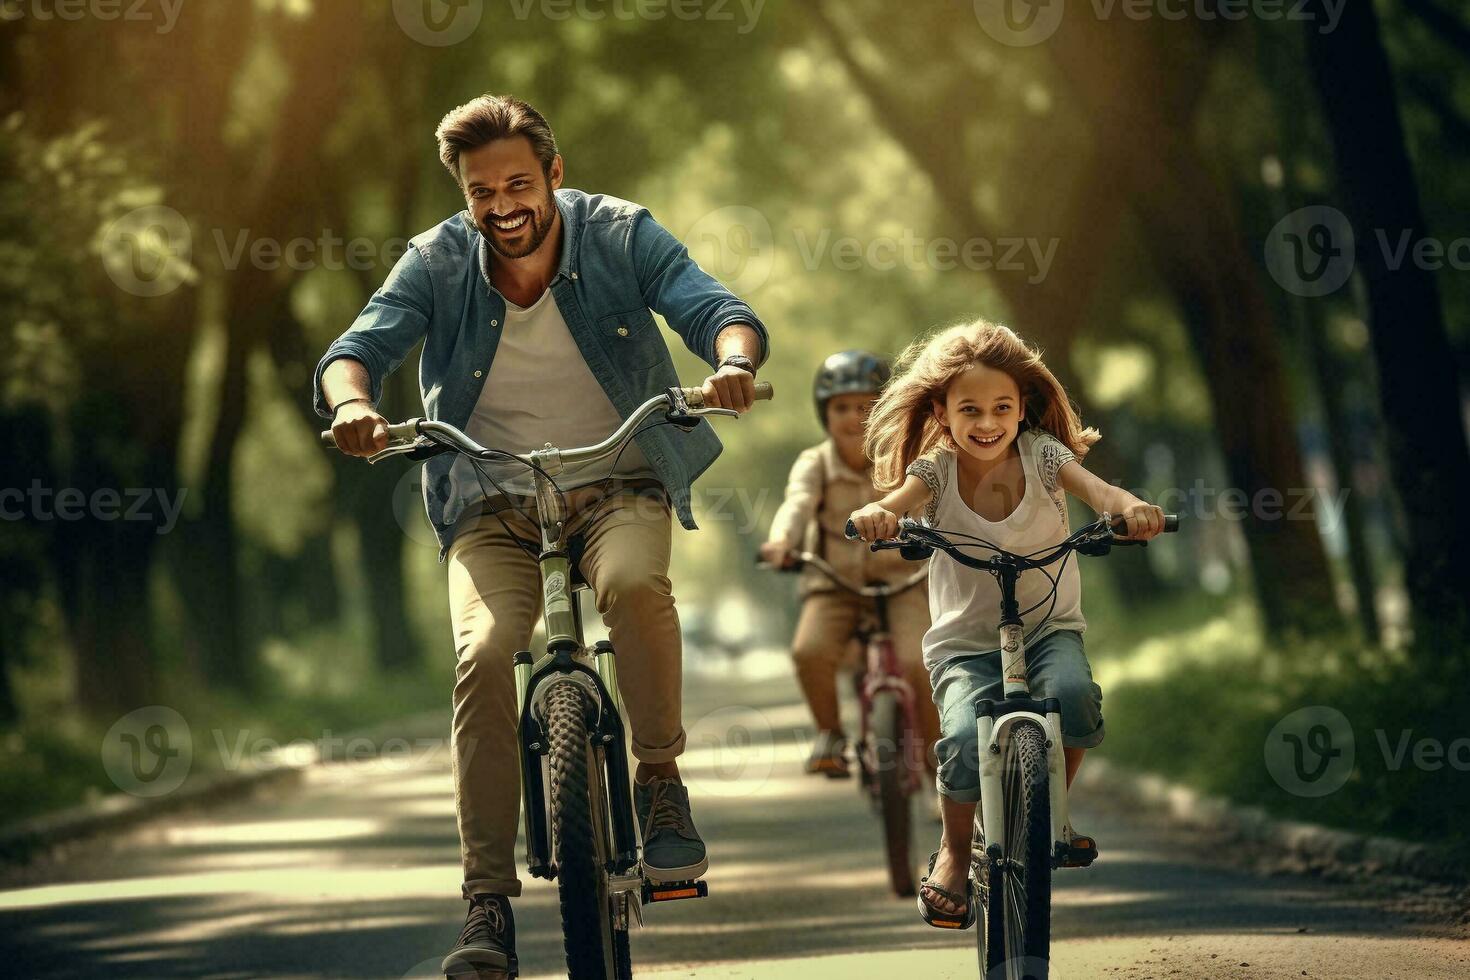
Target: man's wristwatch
x,y
741,361
347,401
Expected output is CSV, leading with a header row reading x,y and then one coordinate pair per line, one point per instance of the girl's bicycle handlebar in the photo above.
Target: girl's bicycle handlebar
x,y
422,438
917,542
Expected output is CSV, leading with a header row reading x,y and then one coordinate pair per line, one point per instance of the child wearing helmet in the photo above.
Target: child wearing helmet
x,y
828,481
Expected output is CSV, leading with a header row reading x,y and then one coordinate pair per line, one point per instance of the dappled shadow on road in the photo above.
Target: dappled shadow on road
x,y
356,875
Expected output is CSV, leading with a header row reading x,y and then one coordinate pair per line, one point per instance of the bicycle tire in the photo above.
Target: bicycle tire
x,y
595,950
1015,937
889,735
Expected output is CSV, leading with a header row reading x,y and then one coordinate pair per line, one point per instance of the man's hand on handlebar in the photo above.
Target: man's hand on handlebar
x,y
874,522
778,554
359,430
730,387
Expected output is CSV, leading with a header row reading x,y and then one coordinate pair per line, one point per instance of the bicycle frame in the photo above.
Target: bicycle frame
x,y
881,670
994,720
882,673
566,656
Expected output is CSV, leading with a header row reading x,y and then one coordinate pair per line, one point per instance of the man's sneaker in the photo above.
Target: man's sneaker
x,y
487,946
672,849
829,756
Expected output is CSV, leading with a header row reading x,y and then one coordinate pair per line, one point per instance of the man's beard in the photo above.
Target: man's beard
x,y
538,227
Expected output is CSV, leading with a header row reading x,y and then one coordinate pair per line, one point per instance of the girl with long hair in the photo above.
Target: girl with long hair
x,y
977,436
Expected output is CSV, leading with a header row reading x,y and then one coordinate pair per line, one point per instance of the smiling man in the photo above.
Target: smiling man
x,y
535,307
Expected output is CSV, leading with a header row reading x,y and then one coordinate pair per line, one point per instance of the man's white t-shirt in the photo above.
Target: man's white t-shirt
x,y
541,390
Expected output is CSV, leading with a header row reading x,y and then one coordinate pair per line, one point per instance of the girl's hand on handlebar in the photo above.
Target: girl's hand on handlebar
x,y
776,553
1141,522
874,522
359,430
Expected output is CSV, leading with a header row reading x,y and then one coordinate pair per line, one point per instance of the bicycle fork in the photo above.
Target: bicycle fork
x,y
993,722
608,738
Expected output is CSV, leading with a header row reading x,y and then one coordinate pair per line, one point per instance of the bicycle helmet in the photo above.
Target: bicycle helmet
x,y
849,372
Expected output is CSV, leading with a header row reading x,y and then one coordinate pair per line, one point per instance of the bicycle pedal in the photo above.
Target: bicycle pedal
x,y
673,891
1074,857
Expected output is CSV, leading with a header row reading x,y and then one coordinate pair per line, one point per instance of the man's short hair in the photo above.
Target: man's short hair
x,y
489,118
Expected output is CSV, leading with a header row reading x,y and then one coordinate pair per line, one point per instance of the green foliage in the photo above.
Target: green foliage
x,y
1194,699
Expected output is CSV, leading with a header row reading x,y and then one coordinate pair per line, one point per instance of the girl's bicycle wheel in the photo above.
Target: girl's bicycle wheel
x,y
1015,891
889,730
596,948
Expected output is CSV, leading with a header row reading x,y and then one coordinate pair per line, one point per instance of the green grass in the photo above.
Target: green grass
x,y
315,690
1193,689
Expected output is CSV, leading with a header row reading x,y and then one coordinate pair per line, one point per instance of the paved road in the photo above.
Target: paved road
x,y
355,874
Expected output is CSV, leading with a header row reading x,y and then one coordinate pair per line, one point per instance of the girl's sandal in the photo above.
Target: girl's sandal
x,y
938,918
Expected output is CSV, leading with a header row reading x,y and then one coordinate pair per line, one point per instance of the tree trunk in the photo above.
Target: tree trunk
x,y
1328,373
1418,382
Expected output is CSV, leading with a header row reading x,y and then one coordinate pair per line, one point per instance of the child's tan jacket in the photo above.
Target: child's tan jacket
x,y
821,492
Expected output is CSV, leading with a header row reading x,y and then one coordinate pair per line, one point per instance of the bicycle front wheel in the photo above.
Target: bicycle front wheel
x,y
889,732
1015,890
596,948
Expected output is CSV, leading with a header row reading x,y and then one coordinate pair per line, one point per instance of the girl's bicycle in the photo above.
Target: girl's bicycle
x,y
1020,824
577,801
890,747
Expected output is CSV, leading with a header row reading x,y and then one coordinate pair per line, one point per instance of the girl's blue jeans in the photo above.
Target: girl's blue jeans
x,y
1057,667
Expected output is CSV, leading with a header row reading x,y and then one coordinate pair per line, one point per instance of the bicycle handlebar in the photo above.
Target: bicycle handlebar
x,y
419,435
916,541
804,558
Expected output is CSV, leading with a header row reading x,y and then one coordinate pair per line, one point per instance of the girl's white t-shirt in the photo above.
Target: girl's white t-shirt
x,y
964,603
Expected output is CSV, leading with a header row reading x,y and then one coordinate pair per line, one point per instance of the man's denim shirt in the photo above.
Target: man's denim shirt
x,y
617,264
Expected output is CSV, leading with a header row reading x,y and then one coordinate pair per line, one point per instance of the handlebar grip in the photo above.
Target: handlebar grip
x,y
397,432
694,396
1171,524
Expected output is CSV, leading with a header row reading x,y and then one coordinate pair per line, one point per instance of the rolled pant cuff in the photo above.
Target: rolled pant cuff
x,y
509,887
957,795
653,755
1089,741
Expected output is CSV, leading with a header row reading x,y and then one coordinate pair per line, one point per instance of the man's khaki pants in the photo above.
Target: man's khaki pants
x,y
494,605
824,641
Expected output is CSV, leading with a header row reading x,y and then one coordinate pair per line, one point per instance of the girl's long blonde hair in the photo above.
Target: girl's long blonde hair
x,y
902,426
